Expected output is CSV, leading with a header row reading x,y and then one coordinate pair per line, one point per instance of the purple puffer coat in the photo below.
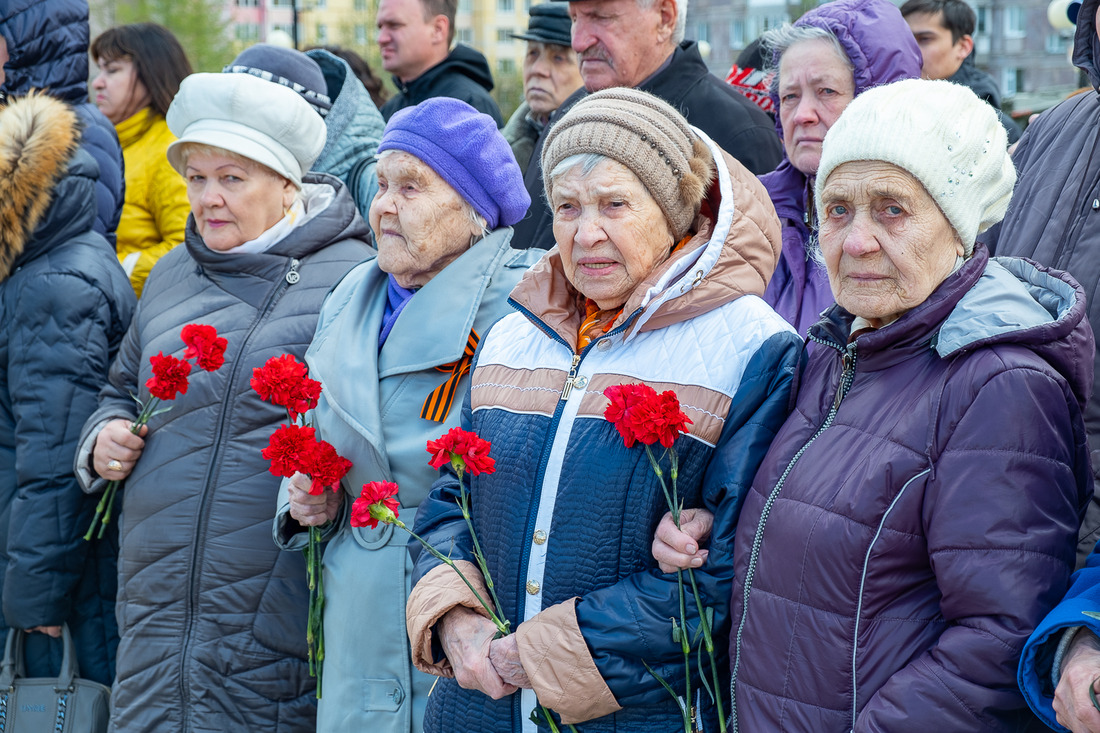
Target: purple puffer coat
x,y
916,516
881,48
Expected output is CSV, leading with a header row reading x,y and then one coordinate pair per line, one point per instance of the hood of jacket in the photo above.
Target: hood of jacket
x,y
882,50
987,302
461,60
354,124
733,252
47,47
1086,44
47,183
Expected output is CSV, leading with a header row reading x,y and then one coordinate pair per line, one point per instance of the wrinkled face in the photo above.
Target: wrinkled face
x,y
118,93
610,231
420,223
405,38
815,85
942,55
886,243
234,202
619,44
550,74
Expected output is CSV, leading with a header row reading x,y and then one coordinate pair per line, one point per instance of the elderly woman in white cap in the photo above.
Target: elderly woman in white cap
x,y
392,350
916,516
664,245
211,614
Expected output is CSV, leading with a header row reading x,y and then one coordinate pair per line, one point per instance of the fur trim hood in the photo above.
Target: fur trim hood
x,y
38,136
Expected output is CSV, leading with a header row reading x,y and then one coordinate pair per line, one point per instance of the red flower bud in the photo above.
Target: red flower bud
x,y
377,503
169,376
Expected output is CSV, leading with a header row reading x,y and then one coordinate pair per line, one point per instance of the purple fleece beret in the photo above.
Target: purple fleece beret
x,y
465,148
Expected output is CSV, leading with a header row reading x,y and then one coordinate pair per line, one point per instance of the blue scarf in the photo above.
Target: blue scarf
x,y
397,298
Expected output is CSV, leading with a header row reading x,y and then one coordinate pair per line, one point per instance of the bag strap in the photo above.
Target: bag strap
x,y
68,661
12,666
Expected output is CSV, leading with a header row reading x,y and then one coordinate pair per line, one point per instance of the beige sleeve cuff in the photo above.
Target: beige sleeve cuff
x,y
438,592
561,669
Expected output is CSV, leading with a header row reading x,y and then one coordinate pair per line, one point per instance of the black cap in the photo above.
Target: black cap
x,y
549,23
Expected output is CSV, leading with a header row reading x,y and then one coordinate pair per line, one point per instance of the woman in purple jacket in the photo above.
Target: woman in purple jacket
x,y
829,56
916,516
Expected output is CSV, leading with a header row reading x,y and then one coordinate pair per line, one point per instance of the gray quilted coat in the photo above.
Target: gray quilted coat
x,y
211,613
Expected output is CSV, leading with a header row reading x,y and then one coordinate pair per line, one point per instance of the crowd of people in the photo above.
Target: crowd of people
x,y
867,293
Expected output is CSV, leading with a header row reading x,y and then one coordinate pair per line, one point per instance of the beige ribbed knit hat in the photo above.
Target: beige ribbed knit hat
x,y
646,135
943,135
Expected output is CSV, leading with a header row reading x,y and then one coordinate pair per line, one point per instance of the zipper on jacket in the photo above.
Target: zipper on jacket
x,y
571,379
290,278
848,360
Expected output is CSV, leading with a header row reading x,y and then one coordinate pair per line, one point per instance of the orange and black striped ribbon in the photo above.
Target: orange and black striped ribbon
x,y
442,397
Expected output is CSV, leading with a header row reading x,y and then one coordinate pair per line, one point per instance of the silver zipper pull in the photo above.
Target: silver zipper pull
x,y
292,275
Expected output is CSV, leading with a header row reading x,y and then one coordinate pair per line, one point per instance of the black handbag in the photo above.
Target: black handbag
x,y
62,704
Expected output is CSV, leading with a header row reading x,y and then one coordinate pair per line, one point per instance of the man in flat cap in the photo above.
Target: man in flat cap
x,y
550,75
640,44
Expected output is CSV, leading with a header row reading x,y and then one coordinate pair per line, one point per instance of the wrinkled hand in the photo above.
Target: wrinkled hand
x,y
54,631
466,637
679,549
310,510
115,442
504,654
1080,670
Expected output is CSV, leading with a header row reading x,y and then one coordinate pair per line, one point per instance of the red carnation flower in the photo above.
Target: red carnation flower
x,y
376,503
289,449
204,346
169,376
642,415
283,381
325,467
464,450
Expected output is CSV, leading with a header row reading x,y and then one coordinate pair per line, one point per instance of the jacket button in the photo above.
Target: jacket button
x,y
581,382
1095,204
540,537
533,587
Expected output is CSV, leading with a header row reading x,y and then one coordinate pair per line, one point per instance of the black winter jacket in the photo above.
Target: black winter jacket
x,y
738,126
211,613
65,303
48,49
1054,217
464,75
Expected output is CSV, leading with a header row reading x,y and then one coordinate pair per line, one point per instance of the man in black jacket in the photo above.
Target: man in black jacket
x,y
640,43
415,38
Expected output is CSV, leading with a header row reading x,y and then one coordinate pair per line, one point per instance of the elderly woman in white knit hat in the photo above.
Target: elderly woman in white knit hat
x,y
916,516
211,613
664,246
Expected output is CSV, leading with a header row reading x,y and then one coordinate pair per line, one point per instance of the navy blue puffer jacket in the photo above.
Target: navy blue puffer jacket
x,y
65,303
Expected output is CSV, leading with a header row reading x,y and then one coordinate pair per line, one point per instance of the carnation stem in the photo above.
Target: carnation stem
x,y
502,625
464,505
107,501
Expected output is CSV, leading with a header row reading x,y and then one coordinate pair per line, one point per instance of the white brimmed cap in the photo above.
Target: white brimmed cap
x,y
249,116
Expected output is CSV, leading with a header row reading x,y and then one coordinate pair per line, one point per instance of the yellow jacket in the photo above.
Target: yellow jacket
x,y
154,213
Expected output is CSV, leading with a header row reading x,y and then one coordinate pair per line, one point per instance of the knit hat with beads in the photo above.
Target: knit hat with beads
x,y
940,133
645,134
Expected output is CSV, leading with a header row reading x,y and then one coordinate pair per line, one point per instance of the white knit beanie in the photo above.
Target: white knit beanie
x,y
943,135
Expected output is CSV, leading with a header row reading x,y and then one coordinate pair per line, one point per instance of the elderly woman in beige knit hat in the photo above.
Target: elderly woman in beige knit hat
x,y
664,246
916,516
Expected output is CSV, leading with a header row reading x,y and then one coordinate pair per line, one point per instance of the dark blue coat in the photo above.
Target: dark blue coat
x,y
65,303
48,49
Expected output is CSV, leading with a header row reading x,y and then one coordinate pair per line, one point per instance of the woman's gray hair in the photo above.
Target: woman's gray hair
x,y
778,41
587,162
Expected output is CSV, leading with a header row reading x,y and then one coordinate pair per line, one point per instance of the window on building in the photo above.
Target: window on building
x,y
465,6
248,32
1012,81
321,31
284,27
360,34
360,6
982,26
281,3
319,4
247,3
737,33
506,66
1015,25
702,32
465,35
1057,43
506,6
504,35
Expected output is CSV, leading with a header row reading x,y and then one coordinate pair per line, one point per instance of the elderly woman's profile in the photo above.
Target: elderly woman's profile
x,y
664,245
917,514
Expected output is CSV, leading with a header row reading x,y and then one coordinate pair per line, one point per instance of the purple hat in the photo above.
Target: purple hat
x,y
464,147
